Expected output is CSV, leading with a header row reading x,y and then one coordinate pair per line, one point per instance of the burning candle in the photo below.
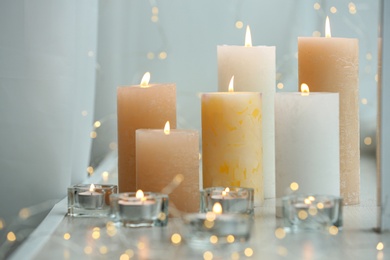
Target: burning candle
x,y
214,228
329,64
253,68
136,209
91,199
232,199
141,106
168,161
231,140
307,142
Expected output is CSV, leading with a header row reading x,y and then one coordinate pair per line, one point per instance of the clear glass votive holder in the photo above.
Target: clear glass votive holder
x,y
204,230
312,212
129,210
89,200
232,199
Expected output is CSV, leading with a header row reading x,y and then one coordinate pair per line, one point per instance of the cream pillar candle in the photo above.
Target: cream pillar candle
x,y
307,143
232,141
167,160
253,68
332,65
140,106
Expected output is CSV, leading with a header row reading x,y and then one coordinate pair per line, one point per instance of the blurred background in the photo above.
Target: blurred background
x,y
61,62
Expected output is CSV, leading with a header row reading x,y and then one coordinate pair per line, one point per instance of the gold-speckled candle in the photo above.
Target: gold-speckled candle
x,y
332,65
232,141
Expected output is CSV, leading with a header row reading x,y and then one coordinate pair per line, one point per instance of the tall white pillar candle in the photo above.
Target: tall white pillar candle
x,y
330,64
253,68
307,143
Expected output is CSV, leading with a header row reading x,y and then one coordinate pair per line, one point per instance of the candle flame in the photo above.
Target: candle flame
x,y
231,83
217,208
248,37
139,194
145,80
92,188
304,89
167,128
224,192
327,28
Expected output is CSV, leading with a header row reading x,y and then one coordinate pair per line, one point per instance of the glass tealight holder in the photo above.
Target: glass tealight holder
x,y
129,210
312,212
232,199
203,230
89,200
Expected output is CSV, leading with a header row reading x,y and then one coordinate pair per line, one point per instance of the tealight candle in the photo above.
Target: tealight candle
x,y
89,200
232,199
139,209
214,228
312,212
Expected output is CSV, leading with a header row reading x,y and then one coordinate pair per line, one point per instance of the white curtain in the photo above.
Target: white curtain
x,y
47,88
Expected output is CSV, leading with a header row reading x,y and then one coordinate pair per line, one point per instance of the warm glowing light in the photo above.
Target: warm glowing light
x,y
305,89
96,235
162,55
103,250
311,198
239,24
97,124
364,101
93,134
150,55
380,246
139,194
66,236
294,186
24,213
280,233
90,170
280,85
333,10
167,128
11,236
302,214
145,80
224,192
176,238
154,18
231,84
333,230
217,208
88,250
327,28
124,257
105,176
141,245
307,201
248,37
317,6
213,239
92,188
2,224
248,252
320,205
367,141
210,216
129,252
230,238
207,255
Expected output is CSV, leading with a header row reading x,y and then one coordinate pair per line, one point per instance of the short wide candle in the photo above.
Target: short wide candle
x,y
169,159
307,143
332,65
232,141
140,107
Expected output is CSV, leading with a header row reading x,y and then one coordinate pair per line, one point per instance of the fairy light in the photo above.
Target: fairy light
x,y
248,252
280,233
176,238
294,186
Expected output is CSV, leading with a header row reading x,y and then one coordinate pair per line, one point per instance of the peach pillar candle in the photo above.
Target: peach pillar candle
x,y
332,65
254,68
140,106
168,162
232,141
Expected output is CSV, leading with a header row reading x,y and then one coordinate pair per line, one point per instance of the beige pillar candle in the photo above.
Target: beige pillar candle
x,y
332,65
168,162
232,141
140,106
253,68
